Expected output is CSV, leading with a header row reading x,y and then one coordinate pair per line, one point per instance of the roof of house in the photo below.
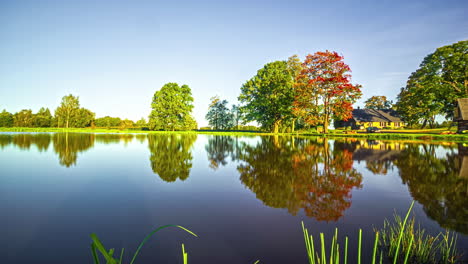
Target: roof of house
x,y
463,106
371,115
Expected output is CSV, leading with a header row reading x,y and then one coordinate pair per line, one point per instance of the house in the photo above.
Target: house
x,y
363,118
461,114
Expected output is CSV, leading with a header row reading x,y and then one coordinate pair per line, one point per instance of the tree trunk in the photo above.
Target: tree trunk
x,y
325,125
276,125
293,124
424,124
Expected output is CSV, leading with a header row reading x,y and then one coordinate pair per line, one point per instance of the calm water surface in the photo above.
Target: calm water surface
x,y
244,196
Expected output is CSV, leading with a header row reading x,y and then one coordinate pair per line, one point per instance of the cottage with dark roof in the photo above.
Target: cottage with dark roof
x,y
461,114
363,118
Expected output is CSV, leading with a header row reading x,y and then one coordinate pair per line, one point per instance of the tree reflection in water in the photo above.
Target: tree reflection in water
x,y
171,156
25,141
438,182
300,174
68,145
219,148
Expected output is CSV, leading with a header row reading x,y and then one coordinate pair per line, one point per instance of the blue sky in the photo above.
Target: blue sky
x,y
115,54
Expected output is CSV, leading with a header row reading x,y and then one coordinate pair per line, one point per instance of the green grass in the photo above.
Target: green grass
x,y
397,242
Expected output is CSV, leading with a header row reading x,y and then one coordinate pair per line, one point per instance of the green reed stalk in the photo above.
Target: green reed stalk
x,y
346,251
375,246
322,241
401,233
408,250
359,246
184,254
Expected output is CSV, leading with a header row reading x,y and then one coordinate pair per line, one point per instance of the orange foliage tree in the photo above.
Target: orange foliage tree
x,y
324,90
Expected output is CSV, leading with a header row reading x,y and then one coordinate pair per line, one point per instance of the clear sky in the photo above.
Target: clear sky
x,y
115,54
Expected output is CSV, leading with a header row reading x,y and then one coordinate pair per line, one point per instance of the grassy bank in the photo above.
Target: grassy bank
x,y
418,135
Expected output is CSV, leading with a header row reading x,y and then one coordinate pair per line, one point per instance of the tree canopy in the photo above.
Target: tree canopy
x,y
6,119
378,102
324,89
172,107
67,110
268,96
219,116
433,88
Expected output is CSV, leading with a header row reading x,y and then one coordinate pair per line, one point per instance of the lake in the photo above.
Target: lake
x,y
244,197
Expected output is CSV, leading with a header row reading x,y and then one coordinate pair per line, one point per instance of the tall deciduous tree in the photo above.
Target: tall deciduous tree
x,y
65,112
218,114
236,115
324,89
433,89
378,102
172,108
6,119
267,97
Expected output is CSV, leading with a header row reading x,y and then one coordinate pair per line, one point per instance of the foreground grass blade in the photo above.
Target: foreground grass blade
x,y
184,254
95,256
409,249
401,233
152,233
346,251
121,255
375,247
359,246
97,243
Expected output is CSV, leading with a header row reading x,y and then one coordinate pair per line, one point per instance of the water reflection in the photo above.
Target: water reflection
x,y
300,174
25,141
68,146
220,148
313,175
438,182
171,156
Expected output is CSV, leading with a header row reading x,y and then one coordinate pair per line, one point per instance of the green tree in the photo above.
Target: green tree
x,y
218,115
141,123
378,102
236,115
6,119
432,89
126,124
43,118
23,118
172,107
67,110
82,118
108,121
267,98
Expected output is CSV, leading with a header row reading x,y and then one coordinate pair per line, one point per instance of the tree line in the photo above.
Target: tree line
x,y
284,95
68,114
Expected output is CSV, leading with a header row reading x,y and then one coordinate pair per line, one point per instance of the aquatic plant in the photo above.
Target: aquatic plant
x,y
398,242
97,245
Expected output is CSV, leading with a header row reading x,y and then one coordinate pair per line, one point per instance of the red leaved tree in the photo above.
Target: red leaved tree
x,y
324,90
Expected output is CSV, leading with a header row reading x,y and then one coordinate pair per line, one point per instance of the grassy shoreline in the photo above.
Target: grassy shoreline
x,y
423,135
